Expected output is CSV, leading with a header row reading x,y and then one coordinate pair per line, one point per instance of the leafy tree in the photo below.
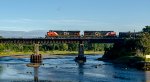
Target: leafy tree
x,y
27,48
130,47
1,37
63,47
146,29
2,47
72,46
127,48
145,43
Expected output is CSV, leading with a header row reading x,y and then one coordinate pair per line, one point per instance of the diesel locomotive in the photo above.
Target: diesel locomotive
x,y
62,34
51,34
99,34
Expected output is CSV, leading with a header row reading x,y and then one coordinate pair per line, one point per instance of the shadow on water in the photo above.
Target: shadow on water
x,y
121,73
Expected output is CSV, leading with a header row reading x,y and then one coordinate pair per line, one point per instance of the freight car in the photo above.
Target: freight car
x,y
51,34
99,34
129,34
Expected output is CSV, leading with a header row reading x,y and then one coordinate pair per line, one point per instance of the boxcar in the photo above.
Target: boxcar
x,y
129,34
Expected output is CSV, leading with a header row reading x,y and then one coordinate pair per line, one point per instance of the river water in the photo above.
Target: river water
x,y
65,69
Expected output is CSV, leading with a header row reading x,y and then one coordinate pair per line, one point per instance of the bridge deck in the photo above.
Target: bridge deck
x,y
66,40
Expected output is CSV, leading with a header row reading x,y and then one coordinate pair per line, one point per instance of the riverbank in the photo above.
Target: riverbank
x,y
130,52
138,62
55,52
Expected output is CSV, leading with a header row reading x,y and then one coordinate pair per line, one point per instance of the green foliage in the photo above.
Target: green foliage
x,y
131,47
50,47
127,48
72,47
63,47
96,46
2,47
146,29
145,43
27,48
1,37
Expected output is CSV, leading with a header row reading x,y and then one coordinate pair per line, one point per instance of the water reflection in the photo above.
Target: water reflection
x,y
147,76
36,74
80,68
81,71
1,69
36,70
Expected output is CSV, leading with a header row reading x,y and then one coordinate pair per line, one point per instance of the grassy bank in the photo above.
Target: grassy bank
x,y
55,52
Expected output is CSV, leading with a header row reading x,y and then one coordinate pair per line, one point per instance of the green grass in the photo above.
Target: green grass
x,y
55,52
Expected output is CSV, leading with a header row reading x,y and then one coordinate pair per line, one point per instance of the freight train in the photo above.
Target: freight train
x,y
76,34
52,34
129,34
99,34
62,34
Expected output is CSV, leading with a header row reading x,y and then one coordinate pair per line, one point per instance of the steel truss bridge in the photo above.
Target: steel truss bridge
x,y
37,41
66,40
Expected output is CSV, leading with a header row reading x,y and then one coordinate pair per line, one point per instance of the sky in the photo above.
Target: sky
x,y
115,15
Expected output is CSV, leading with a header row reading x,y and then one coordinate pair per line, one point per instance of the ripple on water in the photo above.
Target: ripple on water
x,y
63,68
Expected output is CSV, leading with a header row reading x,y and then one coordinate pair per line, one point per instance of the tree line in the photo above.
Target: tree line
x,y
52,46
131,47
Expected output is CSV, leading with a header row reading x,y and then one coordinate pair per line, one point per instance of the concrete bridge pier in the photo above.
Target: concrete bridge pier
x,y
36,49
81,57
36,57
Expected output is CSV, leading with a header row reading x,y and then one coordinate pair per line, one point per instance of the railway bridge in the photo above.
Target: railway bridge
x,y
80,41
